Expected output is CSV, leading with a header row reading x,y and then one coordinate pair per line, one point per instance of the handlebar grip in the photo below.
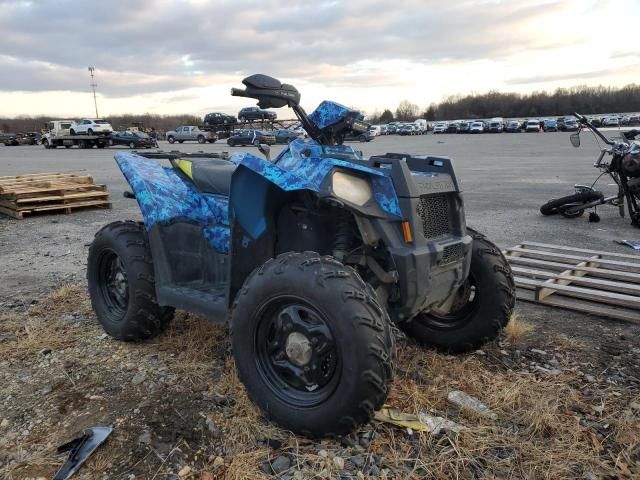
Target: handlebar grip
x,y
238,92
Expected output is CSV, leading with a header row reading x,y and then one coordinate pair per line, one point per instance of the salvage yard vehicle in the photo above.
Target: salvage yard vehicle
x,y
132,139
624,170
215,120
284,135
191,134
532,126
91,126
476,127
249,136
440,127
254,113
513,126
60,134
311,256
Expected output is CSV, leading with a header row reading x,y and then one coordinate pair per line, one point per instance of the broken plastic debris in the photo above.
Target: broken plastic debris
x,y
635,244
470,403
422,422
80,449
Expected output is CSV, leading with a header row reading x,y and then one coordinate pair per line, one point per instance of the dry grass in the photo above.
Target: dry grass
x,y
546,427
517,329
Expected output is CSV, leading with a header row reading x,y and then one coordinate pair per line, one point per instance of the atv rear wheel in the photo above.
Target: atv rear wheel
x,y
482,307
311,344
121,283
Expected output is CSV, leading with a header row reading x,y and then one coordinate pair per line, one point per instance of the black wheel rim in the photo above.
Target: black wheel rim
x,y
296,352
114,286
463,308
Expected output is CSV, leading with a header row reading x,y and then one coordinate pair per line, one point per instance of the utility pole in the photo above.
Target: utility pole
x,y
93,86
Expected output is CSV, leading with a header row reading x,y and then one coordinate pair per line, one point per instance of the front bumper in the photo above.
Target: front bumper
x,y
436,261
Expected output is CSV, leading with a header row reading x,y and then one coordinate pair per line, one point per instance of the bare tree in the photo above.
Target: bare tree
x,y
407,111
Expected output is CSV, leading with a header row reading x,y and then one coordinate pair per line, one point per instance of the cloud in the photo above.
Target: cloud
x,y
167,47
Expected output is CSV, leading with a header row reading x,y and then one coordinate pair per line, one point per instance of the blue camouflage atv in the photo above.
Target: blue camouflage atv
x,y
311,257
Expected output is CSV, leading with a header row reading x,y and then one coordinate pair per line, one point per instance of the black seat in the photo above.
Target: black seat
x,y
213,175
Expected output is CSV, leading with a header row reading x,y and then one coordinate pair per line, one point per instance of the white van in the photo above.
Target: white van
x,y
421,125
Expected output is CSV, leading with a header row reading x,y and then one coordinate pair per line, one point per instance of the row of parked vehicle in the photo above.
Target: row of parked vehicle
x,y
499,125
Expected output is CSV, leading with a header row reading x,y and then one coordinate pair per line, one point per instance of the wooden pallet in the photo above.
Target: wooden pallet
x,y
601,283
50,192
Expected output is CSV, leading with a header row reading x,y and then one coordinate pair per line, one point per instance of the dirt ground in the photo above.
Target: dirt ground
x,y
564,387
566,404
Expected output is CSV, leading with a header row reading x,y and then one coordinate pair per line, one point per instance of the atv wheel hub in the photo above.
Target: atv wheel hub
x,y
298,349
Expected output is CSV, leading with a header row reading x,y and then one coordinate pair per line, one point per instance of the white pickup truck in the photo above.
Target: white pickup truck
x,y
191,134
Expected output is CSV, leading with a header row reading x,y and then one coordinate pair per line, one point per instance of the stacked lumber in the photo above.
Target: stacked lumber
x,y
50,192
592,281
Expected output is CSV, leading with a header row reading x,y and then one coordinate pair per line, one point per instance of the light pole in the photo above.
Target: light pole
x,y
93,86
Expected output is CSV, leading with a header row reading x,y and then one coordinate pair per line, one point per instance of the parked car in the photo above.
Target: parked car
x,y
383,130
285,136
250,136
570,125
255,113
549,125
29,138
91,126
476,127
132,139
9,139
611,122
634,120
407,129
191,134
358,137
463,127
452,127
596,121
532,126
440,127
496,125
392,128
217,120
513,126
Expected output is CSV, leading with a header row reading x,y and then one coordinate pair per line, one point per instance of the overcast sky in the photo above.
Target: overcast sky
x,y
177,56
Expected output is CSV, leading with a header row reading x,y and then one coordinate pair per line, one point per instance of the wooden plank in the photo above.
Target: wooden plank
x,y
608,311
544,292
59,190
580,250
11,213
621,287
592,271
587,293
66,196
626,266
93,203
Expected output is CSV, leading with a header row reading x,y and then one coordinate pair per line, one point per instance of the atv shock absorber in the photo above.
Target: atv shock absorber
x,y
342,238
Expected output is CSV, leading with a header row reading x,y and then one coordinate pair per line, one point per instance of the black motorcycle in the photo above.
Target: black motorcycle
x,y
623,168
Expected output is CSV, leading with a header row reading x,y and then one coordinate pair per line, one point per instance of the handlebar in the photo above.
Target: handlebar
x,y
585,121
238,92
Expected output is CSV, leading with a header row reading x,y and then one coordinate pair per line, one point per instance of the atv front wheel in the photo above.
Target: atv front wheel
x,y
482,306
312,344
121,283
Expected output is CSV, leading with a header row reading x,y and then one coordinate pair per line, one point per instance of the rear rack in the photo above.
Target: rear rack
x,y
177,155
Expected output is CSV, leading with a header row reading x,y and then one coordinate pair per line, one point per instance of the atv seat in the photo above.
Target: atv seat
x,y
213,175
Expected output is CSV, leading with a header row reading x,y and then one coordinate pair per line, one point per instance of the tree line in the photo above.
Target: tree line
x,y
563,101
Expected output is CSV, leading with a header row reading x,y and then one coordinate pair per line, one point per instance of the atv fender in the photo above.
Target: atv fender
x,y
162,195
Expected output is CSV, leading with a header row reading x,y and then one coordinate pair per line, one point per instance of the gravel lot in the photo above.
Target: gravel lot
x,y
506,178
565,386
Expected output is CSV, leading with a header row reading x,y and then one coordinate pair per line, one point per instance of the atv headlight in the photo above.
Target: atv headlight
x,y
351,188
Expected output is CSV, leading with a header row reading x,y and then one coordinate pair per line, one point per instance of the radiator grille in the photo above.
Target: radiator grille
x,y
451,254
434,213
